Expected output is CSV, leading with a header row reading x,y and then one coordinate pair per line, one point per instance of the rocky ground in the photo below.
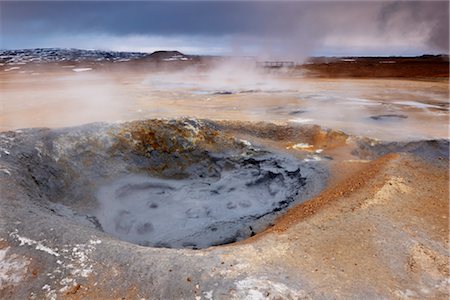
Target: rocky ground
x,y
378,229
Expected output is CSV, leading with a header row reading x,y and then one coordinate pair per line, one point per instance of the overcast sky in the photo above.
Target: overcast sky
x,y
291,30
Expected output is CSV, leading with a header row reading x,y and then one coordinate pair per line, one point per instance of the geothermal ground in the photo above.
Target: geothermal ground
x,y
218,181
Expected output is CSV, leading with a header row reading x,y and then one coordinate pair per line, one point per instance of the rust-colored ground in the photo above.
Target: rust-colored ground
x,y
380,230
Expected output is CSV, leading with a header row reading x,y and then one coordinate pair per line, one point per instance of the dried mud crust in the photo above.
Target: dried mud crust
x,y
314,135
379,230
339,190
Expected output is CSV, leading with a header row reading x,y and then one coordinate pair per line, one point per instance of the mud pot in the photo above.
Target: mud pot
x,y
174,184
88,194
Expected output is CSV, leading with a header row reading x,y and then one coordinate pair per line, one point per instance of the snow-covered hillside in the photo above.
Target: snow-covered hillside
x,y
42,55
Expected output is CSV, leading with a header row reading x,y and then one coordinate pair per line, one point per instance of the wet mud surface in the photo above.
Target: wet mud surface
x,y
172,184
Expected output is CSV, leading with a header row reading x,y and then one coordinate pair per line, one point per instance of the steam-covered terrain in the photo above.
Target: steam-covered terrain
x,y
169,176
171,84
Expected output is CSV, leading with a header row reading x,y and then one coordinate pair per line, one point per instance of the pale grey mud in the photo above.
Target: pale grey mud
x,y
173,184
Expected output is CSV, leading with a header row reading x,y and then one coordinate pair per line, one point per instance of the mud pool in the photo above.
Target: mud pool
x,y
173,184
202,211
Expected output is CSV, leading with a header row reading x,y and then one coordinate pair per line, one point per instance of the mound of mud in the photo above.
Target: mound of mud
x,y
174,184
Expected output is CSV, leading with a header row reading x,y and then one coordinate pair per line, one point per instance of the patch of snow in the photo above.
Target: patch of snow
x,y
313,158
246,143
300,146
252,288
352,100
81,69
406,294
12,68
67,283
301,120
189,126
49,293
41,247
416,104
74,263
12,268
30,242
175,58
208,295
80,257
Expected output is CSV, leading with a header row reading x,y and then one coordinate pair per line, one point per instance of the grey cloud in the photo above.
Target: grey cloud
x,y
431,14
281,29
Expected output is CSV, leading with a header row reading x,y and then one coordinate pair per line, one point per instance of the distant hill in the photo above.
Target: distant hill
x,y
41,55
167,56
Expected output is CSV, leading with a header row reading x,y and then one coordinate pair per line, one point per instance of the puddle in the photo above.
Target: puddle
x,y
388,117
